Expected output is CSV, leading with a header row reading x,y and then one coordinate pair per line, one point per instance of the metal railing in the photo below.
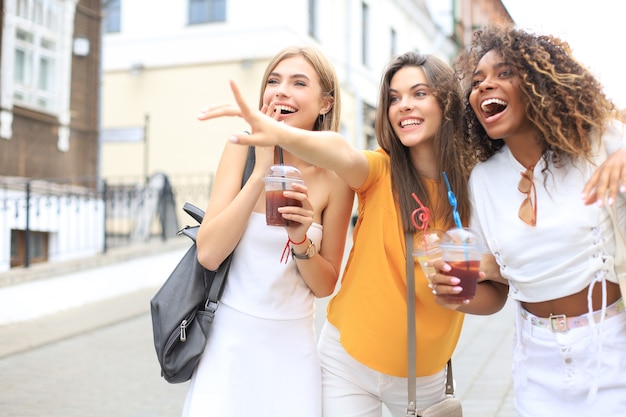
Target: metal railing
x,y
47,220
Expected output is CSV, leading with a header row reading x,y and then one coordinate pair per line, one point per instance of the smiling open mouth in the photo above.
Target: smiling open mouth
x,y
411,122
493,106
285,109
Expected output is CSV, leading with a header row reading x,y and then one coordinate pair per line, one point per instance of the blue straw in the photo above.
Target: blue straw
x,y
455,213
453,203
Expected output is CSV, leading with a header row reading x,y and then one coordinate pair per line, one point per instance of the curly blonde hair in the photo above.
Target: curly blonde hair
x,y
565,101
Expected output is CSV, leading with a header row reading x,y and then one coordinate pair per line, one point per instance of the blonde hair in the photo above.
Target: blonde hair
x,y
328,81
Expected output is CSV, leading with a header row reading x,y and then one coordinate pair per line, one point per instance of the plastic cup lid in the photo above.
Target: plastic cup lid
x,y
282,171
430,240
456,237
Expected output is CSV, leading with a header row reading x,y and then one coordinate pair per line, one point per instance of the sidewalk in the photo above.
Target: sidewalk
x,y
41,311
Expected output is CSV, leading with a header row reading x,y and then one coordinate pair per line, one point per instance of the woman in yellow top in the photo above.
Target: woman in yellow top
x,y
363,344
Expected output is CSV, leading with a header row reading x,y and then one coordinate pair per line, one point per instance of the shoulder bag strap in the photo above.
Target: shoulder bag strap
x,y
247,170
411,410
410,303
217,285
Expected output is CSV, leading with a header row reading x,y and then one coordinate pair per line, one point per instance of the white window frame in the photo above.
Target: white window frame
x,y
113,16
37,61
211,13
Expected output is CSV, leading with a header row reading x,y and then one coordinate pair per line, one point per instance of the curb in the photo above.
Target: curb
x,y
119,254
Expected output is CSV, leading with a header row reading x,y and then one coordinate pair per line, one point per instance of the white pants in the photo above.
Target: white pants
x,y
556,374
351,389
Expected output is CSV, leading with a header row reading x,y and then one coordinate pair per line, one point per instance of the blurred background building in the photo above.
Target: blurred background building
x,y
164,60
99,142
49,123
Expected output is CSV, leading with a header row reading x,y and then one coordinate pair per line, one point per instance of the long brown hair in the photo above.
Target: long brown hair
x,y
447,142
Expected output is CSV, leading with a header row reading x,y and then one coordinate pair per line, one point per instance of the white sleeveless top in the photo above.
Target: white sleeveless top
x,y
258,283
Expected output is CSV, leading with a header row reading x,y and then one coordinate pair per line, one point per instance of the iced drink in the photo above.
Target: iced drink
x,y
462,249
467,272
273,200
278,179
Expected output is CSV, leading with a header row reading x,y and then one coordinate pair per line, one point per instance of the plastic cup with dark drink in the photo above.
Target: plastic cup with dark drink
x,y
278,179
462,249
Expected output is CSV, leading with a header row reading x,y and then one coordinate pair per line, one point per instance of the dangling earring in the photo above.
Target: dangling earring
x,y
321,119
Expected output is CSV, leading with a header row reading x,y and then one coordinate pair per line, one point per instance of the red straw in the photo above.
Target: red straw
x,y
423,216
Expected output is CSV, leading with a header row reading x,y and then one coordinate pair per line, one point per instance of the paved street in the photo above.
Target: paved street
x,y
108,372
97,359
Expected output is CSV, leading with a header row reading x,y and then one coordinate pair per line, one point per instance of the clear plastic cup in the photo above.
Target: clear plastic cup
x,y
426,250
278,179
462,249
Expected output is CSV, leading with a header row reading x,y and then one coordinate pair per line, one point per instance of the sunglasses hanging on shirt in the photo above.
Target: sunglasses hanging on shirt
x,y
528,208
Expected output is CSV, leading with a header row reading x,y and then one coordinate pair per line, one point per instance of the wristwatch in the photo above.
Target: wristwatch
x,y
310,252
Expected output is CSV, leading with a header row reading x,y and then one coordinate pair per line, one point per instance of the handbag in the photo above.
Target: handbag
x,y
450,406
183,309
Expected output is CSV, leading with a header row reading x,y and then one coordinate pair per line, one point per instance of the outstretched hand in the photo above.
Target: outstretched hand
x,y
265,128
610,176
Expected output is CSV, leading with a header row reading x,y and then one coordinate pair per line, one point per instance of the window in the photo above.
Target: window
x,y
313,18
36,62
369,126
365,12
37,54
37,244
112,16
204,11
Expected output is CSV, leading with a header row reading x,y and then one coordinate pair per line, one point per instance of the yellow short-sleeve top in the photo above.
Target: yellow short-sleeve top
x,y
369,309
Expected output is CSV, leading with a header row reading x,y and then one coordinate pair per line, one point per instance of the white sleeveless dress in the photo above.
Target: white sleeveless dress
x,y
261,357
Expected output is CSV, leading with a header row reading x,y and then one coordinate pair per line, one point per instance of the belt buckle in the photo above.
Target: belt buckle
x,y
558,323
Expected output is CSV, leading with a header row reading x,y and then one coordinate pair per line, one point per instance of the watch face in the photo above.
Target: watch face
x,y
311,250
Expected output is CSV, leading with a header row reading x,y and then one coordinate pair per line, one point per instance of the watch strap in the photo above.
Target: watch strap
x,y
310,252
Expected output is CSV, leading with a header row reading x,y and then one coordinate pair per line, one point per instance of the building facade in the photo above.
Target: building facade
x,y
158,72
49,122
50,64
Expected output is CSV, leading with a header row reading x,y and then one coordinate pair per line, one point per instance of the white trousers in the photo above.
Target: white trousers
x,y
557,374
351,389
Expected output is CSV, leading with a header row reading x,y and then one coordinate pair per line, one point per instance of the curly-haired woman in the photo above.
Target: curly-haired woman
x,y
535,117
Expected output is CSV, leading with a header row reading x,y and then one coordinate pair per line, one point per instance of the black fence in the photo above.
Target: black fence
x,y
48,220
